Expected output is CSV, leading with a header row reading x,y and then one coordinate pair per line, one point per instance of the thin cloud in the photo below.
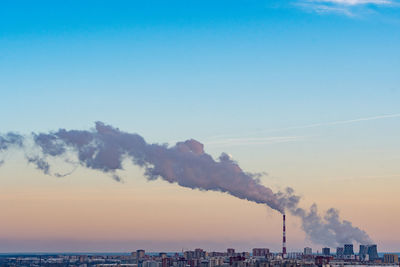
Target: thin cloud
x,y
325,9
350,8
252,141
365,178
226,140
355,2
332,123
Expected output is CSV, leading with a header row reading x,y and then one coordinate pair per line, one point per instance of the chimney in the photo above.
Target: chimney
x,y
284,237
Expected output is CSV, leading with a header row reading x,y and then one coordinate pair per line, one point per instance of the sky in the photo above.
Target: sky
x,y
306,91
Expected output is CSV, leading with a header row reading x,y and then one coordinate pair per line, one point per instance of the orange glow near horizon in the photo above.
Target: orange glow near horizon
x,y
91,206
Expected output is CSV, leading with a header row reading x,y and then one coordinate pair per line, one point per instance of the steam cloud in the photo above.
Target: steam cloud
x,y
186,164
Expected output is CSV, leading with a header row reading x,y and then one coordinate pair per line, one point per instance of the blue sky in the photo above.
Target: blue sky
x,y
232,74
249,59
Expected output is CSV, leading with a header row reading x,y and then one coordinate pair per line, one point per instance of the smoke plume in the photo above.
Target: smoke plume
x,y
104,148
330,230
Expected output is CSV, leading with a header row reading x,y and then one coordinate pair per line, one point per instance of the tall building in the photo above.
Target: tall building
x,y
391,258
339,252
307,251
326,251
348,249
140,253
260,252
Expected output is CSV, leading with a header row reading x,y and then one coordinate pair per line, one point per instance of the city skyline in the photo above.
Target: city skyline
x,y
202,258
304,93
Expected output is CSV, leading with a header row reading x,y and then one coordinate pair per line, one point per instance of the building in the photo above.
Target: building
x,y
339,252
204,263
322,260
151,264
230,251
326,251
216,261
348,250
294,255
260,252
199,253
236,261
307,251
193,262
391,258
140,253
167,262
244,254
181,262
188,255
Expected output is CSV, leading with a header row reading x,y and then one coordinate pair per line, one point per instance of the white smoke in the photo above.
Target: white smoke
x,y
186,164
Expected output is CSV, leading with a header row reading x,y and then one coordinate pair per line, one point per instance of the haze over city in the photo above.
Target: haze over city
x,y
171,126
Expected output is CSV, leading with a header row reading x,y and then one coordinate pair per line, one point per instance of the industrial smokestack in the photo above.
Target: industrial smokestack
x,y
284,237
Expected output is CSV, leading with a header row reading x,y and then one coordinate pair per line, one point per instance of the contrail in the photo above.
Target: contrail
x,y
186,164
253,141
230,140
397,115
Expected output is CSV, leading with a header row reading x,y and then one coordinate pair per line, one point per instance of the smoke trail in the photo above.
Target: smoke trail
x,y
186,164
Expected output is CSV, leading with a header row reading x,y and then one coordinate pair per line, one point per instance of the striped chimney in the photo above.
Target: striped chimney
x,y
284,237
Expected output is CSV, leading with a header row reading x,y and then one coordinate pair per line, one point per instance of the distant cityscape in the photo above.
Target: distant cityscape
x,y
258,257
